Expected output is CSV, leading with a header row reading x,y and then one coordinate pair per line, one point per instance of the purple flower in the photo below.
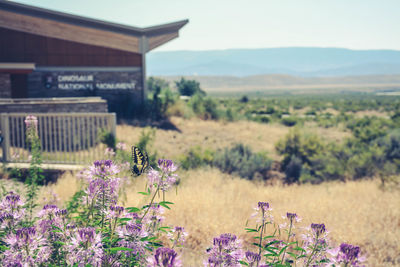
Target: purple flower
x,y
226,251
167,166
11,211
164,179
178,236
31,120
263,213
252,257
27,247
315,244
109,152
132,236
346,254
153,217
121,146
85,248
103,168
318,229
50,216
164,257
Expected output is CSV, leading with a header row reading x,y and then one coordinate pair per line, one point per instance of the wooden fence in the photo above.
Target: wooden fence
x,y
70,138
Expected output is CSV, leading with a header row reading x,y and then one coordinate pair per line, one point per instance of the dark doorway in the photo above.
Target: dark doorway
x,y
19,85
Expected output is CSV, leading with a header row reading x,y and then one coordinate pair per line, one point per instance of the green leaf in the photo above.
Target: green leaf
x,y
116,249
165,204
144,193
132,209
243,263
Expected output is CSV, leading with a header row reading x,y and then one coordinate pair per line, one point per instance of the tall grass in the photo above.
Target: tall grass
x,y
209,203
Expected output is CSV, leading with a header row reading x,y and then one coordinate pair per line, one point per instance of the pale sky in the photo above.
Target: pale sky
x,y
224,24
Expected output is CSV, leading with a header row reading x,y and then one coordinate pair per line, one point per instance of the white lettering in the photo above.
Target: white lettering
x,y
75,86
75,78
125,86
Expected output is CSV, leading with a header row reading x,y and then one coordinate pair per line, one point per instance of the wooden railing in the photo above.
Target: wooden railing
x,y
70,138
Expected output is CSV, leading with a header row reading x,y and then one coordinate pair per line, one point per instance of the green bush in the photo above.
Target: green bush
x,y
196,157
289,121
107,138
242,161
189,87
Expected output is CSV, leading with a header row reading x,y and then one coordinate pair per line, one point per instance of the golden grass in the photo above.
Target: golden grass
x,y
219,134
210,203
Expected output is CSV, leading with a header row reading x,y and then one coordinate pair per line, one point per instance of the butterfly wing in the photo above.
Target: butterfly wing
x,y
140,161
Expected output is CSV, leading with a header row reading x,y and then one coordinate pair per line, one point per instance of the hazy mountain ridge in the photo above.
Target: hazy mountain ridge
x,y
283,81
298,61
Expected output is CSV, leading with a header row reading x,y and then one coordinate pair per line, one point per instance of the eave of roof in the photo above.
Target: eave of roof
x,y
89,22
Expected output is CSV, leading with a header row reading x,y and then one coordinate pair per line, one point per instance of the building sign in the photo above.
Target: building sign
x,y
71,80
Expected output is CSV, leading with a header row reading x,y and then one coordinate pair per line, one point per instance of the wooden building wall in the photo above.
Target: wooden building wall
x,y
16,46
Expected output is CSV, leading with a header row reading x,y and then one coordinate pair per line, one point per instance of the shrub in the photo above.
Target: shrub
x,y
289,121
107,138
196,157
189,87
244,99
299,147
293,170
242,161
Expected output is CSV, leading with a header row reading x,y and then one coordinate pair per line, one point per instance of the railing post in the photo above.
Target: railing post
x,y
113,125
5,132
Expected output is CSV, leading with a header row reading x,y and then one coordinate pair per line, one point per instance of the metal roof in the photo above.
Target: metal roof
x,y
89,22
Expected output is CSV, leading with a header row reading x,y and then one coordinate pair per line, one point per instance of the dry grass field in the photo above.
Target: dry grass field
x,y
219,134
209,203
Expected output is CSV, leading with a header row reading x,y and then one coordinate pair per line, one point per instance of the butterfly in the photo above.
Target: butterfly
x,y
140,161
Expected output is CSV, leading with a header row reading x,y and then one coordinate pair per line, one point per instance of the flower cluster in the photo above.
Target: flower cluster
x,y
165,178
11,211
27,247
346,254
102,233
226,251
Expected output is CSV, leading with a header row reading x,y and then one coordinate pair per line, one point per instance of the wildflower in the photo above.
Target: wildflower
x,y
27,247
11,211
178,236
226,251
109,152
315,244
85,248
121,146
103,168
31,123
346,254
252,258
162,180
31,120
318,229
167,166
50,216
292,217
133,236
164,257
263,212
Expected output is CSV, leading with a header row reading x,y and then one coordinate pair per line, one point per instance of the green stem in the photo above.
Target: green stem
x,y
151,203
287,241
312,253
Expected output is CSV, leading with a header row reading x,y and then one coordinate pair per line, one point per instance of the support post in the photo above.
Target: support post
x,y
5,132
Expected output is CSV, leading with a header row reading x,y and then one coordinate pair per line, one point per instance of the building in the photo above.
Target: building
x,y
47,54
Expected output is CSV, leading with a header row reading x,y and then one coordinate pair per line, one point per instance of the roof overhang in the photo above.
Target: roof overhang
x,y
16,68
80,29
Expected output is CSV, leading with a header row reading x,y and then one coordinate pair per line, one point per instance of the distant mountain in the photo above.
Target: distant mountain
x,y
297,61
